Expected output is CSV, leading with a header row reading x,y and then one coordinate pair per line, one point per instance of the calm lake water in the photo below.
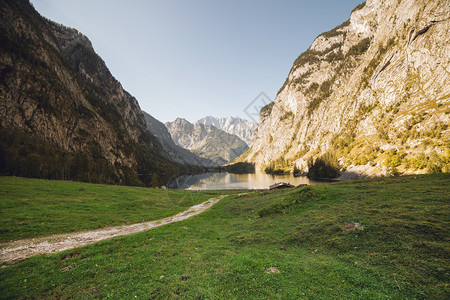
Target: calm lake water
x,y
225,181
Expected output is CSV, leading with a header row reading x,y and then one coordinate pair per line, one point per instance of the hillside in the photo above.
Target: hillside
x,y
62,114
372,239
206,141
373,91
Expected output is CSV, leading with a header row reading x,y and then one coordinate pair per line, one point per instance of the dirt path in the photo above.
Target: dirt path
x,y
22,249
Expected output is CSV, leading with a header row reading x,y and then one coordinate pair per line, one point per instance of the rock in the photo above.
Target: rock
x,y
206,141
172,151
244,129
67,268
272,270
370,89
351,226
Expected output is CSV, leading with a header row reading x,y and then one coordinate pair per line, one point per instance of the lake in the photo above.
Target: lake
x,y
226,181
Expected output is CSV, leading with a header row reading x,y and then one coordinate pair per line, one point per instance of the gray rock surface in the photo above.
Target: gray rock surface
x,y
206,141
244,129
373,90
173,151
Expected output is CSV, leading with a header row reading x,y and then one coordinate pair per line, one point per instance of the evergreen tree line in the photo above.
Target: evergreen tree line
x,y
278,166
325,166
25,155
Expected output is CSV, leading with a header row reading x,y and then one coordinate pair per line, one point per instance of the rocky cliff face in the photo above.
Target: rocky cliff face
x,y
244,129
374,91
206,141
58,95
171,150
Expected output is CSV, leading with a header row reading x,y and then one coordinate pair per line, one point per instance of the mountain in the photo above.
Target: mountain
x,y
174,152
62,114
206,141
244,129
374,92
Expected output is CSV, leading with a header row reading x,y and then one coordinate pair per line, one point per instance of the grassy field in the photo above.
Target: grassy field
x,y
377,239
32,207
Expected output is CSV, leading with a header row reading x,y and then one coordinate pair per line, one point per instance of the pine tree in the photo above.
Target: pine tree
x,y
155,183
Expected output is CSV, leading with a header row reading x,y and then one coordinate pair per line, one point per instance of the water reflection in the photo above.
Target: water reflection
x,y
220,181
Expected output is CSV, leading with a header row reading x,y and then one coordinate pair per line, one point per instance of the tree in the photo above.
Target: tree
x,y
155,183
33,165
325,166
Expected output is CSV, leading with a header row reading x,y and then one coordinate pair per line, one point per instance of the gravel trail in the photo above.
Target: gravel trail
x,y
20,250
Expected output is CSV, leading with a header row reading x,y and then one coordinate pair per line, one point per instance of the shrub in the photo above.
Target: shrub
x,y
360,160
302,78
435,164
393,161
312,88
359,6
334,56
420,162
335,31
313,105
266,110
287,115
324,92
370,68
309,56
359,48
325,88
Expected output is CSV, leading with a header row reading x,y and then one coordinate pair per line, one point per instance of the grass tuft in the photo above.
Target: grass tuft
x,y
298,196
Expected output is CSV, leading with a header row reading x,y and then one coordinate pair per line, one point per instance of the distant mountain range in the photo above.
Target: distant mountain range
x,y
172,151
244,129
206,141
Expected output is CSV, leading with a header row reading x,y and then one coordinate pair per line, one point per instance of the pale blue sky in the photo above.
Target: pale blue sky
x,y
196,58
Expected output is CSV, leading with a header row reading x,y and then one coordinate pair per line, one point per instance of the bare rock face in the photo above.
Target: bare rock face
x,y
374,91
244,129
57,92
172,151
206,141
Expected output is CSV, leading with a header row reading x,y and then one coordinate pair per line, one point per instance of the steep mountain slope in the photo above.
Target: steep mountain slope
x,y
62,114
173,151
244,129
374,91
206,141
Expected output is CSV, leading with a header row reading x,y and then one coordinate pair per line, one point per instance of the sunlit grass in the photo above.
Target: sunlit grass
x,y
31,207
399,251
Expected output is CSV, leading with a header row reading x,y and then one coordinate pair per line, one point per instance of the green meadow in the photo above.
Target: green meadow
x,y
32,207
384,238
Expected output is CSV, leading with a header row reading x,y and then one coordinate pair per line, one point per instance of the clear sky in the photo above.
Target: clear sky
x,y
196,58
